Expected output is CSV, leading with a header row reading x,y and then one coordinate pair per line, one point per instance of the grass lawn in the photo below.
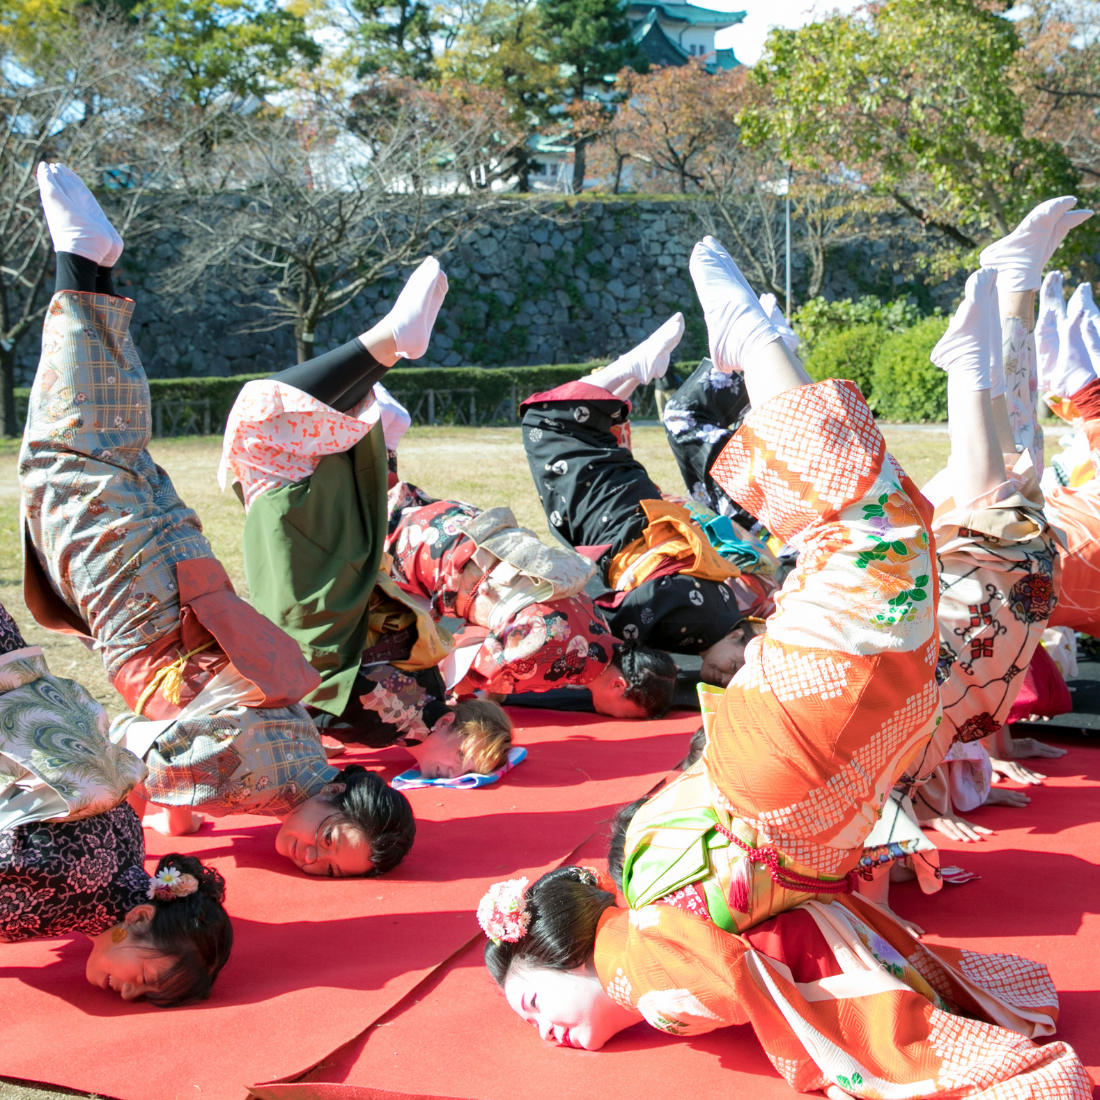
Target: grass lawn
x,y
485,466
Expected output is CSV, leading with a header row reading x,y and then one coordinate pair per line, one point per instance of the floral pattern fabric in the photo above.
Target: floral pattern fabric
x,y
108,529
964,1016
542,646
57,878
276,434
103,520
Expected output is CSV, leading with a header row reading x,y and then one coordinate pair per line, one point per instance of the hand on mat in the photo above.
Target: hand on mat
x,y
998,796
1024,748
956,828
1016,772
332,747
175,821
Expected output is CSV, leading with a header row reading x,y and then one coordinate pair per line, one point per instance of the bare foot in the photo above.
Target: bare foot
x,y
1010,769
957,828
999,796
332,747
175,821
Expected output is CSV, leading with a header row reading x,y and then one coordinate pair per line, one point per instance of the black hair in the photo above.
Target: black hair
x,y
650,676
616,846
194,930
380,813
695,749
565,907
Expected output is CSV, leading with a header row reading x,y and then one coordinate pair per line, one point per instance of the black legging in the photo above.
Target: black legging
x,y
82,275
341,378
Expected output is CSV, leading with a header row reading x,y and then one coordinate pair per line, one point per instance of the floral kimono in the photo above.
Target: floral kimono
x,y
465,563
113,554
849,1000
835,701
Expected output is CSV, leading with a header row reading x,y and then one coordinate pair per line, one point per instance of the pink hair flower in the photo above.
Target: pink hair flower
x,y
171,883
503,913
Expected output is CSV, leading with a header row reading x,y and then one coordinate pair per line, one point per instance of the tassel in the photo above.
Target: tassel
x,y
741,885
172,684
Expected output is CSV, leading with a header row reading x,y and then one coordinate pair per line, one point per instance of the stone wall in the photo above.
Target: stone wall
x,y
556,285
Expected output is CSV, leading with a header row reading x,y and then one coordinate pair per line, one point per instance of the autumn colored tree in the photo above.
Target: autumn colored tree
x,y
590,41
918,97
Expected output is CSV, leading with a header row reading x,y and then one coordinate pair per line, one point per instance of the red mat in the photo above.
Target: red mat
x,y
317,961
1039,896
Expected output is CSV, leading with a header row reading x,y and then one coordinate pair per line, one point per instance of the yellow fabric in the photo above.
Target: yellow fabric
x,y
392,610
671,534
169,677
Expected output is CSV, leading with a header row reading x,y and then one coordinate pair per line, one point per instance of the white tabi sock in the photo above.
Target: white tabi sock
x,y
413,315
1073,369
75,219
1021,256
737,326
964,349
1081,301
642,364
1090,333
1052,309
787,334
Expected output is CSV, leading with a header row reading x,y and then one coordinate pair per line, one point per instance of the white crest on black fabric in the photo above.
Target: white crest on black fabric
x,y
555,518
647,615
560,467
535,434
581,414
696,597
630,632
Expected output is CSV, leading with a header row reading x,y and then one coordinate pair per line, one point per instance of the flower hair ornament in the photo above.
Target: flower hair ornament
x,y
503,913
172,883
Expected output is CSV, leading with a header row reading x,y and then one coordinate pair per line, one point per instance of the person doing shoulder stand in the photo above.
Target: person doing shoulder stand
x,y
306,452
834,702
72,853
113,554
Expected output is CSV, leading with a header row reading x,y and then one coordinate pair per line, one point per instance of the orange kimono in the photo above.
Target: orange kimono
x,y
895,1018
834,702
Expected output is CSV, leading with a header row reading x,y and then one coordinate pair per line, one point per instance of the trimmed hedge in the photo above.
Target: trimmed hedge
x,y
849,353
459,395
906,385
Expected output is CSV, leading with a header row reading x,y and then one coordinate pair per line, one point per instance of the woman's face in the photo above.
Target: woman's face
x,y
723,659
318,842
119,961
439,755
569,1007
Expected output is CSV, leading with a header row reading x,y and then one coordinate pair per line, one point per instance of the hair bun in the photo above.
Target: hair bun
x,y
210,880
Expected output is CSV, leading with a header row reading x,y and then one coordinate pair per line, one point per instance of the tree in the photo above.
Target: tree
x,y
917,97
302,230
675,117
213,48
1060,82
591,40
501,47
397,36
85,97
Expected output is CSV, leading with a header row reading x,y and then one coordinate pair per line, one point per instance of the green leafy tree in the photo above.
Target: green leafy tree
x,y
396,35
212,47
590,40
918,97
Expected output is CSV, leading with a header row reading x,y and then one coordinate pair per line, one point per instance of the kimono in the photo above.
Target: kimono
x,y
463,562
840,994
835,701
71,850
595,495
112,554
